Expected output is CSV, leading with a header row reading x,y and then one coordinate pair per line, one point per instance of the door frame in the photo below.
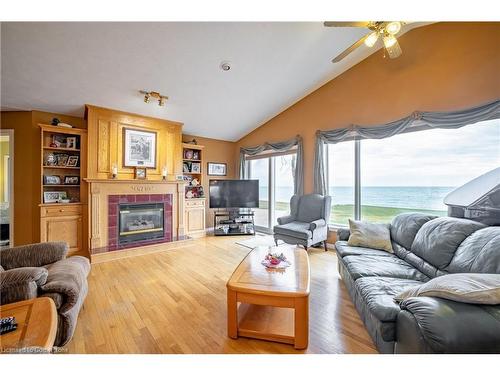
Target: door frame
x,y
10,134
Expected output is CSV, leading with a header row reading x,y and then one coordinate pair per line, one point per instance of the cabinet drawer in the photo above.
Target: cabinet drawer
x,y
61,210
195,203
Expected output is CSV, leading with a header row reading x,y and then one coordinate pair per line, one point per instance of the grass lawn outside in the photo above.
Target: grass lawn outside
x,y
341,212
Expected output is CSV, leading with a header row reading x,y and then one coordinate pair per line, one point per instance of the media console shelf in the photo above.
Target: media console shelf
x,y
234,223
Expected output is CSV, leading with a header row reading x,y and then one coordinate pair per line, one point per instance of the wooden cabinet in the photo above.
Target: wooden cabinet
x,y
195,217
63,223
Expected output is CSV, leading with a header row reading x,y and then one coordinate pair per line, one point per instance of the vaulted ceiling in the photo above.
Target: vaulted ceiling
x,y
59,67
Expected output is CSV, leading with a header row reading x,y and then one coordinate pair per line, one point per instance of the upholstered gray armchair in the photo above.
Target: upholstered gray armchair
x,y
42,270
307,223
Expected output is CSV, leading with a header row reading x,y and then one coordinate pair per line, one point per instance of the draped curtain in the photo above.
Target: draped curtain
x,y
415,122
298,182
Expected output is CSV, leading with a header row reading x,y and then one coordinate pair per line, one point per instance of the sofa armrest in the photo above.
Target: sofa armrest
x,y
442,326
67,277
343,234
34,255
285,219
317,224
21,283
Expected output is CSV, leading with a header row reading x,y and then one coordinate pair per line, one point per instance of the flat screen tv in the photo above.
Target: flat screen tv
x,y
234,193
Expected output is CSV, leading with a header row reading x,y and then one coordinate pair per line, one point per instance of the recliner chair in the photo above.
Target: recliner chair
x,y
307,224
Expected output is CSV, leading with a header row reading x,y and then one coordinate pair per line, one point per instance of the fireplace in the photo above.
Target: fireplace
x,y
140,222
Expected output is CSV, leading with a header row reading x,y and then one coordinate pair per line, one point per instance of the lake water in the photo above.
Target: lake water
x,y
428,197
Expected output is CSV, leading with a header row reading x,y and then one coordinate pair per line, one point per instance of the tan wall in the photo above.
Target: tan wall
x,y
444,67
27,169
215,151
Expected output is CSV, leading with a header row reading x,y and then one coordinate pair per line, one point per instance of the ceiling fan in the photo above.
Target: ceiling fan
x,y
385,30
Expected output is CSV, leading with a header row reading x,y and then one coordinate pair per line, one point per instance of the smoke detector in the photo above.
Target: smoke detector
x,y
225,66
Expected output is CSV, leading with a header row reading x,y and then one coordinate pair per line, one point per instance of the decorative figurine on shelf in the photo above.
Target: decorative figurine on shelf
x,y
114,171
189,194
195,182
55,121
192,142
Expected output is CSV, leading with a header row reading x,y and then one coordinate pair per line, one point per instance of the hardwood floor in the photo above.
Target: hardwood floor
x,y
175,302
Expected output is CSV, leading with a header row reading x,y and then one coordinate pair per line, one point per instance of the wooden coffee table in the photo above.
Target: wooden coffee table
x,y
36,326
270,304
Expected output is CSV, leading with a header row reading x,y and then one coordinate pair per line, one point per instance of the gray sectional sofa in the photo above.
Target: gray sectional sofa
x,y
424,247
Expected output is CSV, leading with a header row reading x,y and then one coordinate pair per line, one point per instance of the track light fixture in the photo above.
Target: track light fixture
x,y
155,95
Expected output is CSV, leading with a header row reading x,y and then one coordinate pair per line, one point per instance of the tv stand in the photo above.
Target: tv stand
x,y
234,223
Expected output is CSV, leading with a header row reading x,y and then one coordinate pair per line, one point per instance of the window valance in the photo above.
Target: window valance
x,y
415,122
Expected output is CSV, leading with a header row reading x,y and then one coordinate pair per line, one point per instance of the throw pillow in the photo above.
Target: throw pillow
x,y
375,236
477,288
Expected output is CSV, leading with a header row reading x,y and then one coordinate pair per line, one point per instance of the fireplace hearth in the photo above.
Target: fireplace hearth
x,y
140,222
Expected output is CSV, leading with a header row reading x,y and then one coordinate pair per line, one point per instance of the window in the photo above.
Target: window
x,y
340,177
411,172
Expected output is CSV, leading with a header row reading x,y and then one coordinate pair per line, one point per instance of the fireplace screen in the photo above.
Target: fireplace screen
x,y
140,222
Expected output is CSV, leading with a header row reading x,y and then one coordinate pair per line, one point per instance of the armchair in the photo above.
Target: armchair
x,y
307,223
42,270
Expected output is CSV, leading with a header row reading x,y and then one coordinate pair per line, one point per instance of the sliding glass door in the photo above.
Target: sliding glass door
x,y
275,174
258,169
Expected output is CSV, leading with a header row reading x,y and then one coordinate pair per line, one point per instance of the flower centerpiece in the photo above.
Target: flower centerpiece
x,y
275,260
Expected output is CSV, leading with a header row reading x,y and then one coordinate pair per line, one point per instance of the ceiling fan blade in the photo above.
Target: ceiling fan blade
x,y
346,24
350,49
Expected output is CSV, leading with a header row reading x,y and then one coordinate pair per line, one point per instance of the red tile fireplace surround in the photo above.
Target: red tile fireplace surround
x,y
114,202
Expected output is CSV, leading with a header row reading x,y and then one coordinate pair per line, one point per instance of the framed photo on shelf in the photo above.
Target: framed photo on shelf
x,y
217,169
139,148
62,160
140,173
51,180
72,161
186,167
71,180
195,167
58,140
71,142
53,196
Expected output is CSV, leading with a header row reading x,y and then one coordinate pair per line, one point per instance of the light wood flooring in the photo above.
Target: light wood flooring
x,y
175,302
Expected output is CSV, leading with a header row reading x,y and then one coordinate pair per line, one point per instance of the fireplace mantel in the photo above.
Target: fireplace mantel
x,y
101,189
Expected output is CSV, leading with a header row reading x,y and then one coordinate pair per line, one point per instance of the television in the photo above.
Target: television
x,y
234,193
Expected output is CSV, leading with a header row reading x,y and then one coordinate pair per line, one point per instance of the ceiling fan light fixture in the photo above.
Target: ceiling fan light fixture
x,y
393,27
392,46
371,39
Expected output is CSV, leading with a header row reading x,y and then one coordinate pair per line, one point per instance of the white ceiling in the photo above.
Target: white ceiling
x,y
59,67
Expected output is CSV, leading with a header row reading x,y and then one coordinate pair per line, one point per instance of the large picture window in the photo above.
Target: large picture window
x,y
409,172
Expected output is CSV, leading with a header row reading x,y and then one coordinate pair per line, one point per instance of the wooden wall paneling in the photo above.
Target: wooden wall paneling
x,y
103,140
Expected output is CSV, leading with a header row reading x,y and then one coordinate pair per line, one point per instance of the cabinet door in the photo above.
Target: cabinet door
x,y
63,228
195,219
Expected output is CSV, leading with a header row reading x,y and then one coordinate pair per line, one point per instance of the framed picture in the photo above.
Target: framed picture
x,y
195,167
50,159
58,140
217,169
62,160
140,173
51,180
71,180
186,167
72,161
139,148
71,142
196,155
53,196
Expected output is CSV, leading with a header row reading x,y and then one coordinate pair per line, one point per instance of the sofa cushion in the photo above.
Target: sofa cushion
x,y
376,236
479,253
438,239
404,227
379,292
295,229
343,249
475,288
390,266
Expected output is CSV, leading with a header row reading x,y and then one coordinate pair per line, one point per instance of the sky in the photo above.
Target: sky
x,y
439,157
